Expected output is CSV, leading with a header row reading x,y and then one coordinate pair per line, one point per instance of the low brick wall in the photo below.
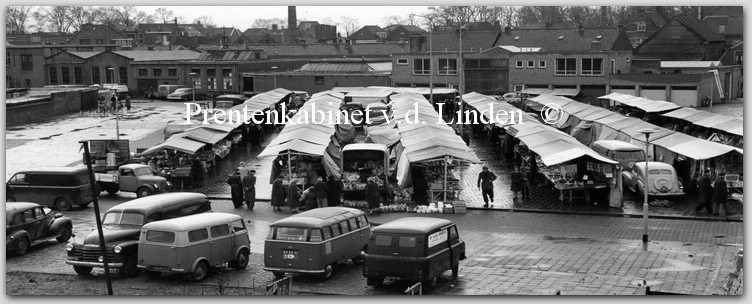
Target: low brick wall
x,y
59,103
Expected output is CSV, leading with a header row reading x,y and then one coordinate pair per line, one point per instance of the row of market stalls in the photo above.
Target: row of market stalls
x,y
714,127
688,154
541,150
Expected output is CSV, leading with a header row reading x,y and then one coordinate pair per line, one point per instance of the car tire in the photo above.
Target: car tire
x,y
200,272
82,270
22,246
63,204
64,234
328,271
241,261
143,191
359,260
456,271
130,267
112,189
153,274
374,281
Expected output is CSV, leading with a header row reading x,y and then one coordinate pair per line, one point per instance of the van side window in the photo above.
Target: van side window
x,y
316,235
327,233
270,236
335,230
354,223
160,236
363,221
198,235
220,230
345,227
238,226
407,241
383,240
453,233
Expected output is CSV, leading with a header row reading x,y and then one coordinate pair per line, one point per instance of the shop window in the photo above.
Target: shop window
x,y
157,72
518,64
530,64
566,66
592,66
422,66
172,72
447,67
542,64
53,75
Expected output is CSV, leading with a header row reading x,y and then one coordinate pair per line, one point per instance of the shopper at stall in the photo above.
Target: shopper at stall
x,y
278,194
373,194
293,195
322,192
309,198
153,165
236,188
277,166
518,181
335,190
704,194
249,189
485,183
720,195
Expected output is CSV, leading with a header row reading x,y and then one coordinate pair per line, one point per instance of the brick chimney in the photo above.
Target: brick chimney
x,y
292,18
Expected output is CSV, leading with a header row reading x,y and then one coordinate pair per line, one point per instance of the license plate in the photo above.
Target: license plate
x,y
159,268
289,254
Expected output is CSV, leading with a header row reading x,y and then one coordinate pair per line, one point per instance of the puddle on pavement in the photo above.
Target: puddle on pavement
x,y
50,137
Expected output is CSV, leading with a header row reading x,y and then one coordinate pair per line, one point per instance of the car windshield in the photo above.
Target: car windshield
x,y
123,218
142,171
183,90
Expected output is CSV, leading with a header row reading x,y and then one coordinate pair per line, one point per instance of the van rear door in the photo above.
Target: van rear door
x,y
157,250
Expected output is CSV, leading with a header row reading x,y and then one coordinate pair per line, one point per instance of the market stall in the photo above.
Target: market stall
x,y
180,159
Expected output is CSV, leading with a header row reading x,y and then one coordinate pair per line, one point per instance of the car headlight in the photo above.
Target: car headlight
x,y
69,247
100,259
156,186
118,249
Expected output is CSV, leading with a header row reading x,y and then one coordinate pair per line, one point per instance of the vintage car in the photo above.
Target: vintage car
x,y
60,187
184,94
229,100
29,224
663,180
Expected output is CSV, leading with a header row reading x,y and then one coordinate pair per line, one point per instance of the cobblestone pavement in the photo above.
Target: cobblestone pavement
x,y
508,253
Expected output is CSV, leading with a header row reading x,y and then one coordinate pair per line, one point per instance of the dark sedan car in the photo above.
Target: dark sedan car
x,y
185,94
229,100
29,224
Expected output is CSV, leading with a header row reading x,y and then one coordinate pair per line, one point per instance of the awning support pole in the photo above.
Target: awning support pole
x,y
289,167
446,169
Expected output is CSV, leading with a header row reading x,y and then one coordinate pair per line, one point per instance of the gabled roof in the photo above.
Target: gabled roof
x,y
111,32
700,29
655,17
348,66
471,40
367,32
225,55
734,25
566,39
548,25
728,11
219,31
159,55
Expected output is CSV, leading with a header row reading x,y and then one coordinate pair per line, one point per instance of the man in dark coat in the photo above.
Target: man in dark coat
x,y
236,188
322,192
705,191
485,183
113,102
720,194
249,189
518,181
278,194
335,191
373,194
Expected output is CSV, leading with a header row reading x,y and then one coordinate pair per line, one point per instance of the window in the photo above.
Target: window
x,y
7,58
219,230
227,79
542,64
353,223
127,218
29,215
316,235
422,66
100,41
345,227
196,79
402,61
172,72
640,26
84,41
613,66
156,72
18,179
383,240
447,67
123,75
518,88
335,230
318,80
211,79
530,64
109,74
406,241
53,75
518,64
188,210
26,63
160,236
95,75
143,72
18,219
738,57
39,213
198,235
291,234
363,221
453,233
237,226
592,66
566,66
721,29
65,71
78,75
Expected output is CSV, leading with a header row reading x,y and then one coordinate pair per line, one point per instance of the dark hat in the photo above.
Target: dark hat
x,y
253,171
485,167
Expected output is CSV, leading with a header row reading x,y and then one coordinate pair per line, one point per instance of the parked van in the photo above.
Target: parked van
x,y
61,187
621,151
191,244
121,228
313,242
414,249
166,89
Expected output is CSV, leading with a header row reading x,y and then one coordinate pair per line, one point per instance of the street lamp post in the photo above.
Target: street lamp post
x,y
645,191
462,84
193,85
430,56
274,69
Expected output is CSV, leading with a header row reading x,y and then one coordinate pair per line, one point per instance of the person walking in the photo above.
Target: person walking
x,y
249,189
335,191
485,184
236,188
278,194
113,103
128,103
151,94
518,182
322,192
720,195
293,196
704,193
373,195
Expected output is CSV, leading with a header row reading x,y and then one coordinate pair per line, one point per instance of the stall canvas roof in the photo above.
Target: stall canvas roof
x,y
734,126
294,146
179,144
334,94
365,92
681,113
264,100
647,105
439,152
207,136
553,92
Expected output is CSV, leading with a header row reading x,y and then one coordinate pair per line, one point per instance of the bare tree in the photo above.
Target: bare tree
x,y
462,14
16,18
267,23
206,21
163,14
80,15
349,24
329,21
142,17
539,14
125,14
53,18
508,15
105,14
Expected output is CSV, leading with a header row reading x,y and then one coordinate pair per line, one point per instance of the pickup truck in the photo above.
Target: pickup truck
x,y
131,178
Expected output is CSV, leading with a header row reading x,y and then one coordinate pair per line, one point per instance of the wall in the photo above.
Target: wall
x,y
58,104
309,84
36,76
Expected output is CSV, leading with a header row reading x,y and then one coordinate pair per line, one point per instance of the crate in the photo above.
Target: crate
x,y
437,186
459,207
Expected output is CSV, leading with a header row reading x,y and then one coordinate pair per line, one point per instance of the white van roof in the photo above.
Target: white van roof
x,y
192,222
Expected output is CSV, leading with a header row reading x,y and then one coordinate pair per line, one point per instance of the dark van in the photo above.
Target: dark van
x,y
121,228
414,249
61,187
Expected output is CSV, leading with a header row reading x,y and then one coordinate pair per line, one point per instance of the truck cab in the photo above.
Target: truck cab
x,y
132,178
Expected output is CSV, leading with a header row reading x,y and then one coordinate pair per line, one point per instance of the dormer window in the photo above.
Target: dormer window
x,y
721,29
640,26
516,37
599,37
